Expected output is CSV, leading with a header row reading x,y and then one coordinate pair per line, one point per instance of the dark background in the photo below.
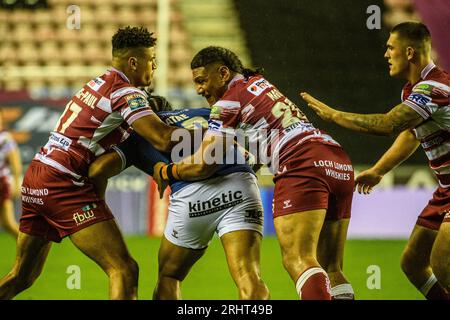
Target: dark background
x,y
325,48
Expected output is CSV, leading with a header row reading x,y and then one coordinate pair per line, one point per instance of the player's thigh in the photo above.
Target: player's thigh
x,y
242,250
176,261
31,253
103,242
332,242
298,233
419,246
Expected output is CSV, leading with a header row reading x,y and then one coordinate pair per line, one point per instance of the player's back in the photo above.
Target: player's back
x,y
97,117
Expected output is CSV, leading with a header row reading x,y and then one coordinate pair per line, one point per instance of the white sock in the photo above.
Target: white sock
x,y
343,292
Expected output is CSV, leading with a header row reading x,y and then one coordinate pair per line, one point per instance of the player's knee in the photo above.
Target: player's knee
x,y
128,269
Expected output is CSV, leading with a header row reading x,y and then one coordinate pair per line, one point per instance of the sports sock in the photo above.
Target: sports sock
x,y
342,292
313,284
432,290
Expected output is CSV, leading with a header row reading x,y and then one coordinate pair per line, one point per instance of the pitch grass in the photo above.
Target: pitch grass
x,y
209,278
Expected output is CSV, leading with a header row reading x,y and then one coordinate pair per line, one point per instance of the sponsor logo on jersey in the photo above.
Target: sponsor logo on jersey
x,y
136,101
446,214
423,88
59,141
419,99
214,125
225,200
215,112
440,92
259,86
96,83
86,214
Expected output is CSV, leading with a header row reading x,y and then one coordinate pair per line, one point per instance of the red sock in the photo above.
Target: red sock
x,y
437,292
313,284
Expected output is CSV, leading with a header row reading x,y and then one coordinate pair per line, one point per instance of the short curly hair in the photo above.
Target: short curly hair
x,y
132,37
214,54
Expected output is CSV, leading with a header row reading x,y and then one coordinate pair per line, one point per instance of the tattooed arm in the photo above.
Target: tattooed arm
x,y
395,121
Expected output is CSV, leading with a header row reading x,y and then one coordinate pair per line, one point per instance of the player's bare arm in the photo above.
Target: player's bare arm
x,y
402,148
395,121
104,167
198,166
156,132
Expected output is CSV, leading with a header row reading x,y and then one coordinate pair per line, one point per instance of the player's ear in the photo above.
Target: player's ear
x,y
225,73
410,53
132,63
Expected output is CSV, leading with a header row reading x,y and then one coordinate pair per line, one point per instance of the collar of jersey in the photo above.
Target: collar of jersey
x,y
427,69
236,78
120,73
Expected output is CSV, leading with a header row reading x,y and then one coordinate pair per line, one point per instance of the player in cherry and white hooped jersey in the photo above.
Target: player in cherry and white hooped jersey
x,y
421,119
10,175
58,200
313,175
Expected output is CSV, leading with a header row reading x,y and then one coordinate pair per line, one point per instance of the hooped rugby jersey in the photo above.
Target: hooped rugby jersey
x,y
256,109
140,153
429,97
96,118
7,144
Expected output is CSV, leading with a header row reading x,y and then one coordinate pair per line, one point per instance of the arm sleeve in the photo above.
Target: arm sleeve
x,y
427,97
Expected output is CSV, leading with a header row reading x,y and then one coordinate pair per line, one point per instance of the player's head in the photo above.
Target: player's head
x,y
408,43
133,50
212,70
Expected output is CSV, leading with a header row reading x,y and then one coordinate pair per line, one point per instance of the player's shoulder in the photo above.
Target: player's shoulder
x,y
436,83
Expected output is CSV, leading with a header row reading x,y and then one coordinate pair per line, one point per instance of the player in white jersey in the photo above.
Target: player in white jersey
x,y
10,175
421,119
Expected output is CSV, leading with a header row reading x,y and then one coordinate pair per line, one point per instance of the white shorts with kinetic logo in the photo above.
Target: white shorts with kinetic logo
x,y
221,204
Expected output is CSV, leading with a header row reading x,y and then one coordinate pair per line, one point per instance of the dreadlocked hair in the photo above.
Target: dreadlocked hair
x,y
132,37
214,54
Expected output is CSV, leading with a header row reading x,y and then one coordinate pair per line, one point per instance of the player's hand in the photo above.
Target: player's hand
x,y
325,112
162,184
366,180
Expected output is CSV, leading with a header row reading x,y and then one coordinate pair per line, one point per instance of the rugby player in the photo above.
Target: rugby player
x,y
313,181
227,203
421,118
58,200
10,175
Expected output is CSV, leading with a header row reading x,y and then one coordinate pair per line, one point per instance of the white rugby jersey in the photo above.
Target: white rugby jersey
x,y
429,97
7,144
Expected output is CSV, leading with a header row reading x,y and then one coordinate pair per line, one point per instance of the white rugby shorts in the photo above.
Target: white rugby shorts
x,y
221,204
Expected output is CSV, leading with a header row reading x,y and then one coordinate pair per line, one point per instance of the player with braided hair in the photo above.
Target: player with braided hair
x,y
313,181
